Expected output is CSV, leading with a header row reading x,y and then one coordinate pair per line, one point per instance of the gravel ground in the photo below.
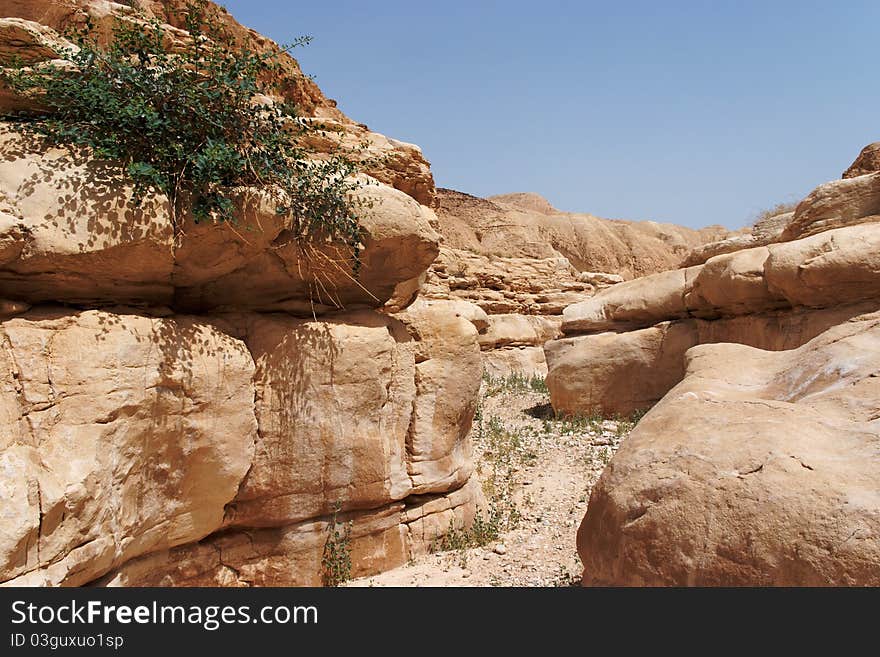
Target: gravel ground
x,y
538,471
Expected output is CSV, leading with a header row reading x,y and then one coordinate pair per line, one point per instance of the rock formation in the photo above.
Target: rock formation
x,y
758,469
635,334
757,463
517,255
195,407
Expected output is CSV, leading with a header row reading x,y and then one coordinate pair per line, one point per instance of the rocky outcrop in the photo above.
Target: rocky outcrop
x,y
517,255
867,162
123,435
132,436
514,343
72,233
772,297
194,404
33,32
758,469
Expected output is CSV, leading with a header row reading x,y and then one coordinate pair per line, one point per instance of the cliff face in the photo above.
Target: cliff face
x,y
194,407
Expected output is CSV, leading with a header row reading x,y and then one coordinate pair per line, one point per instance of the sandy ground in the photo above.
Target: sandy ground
x,y
539,469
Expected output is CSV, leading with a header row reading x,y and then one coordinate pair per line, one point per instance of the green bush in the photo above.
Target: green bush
x,y
187,121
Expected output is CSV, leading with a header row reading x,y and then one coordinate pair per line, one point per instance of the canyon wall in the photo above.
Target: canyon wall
x,y
206,403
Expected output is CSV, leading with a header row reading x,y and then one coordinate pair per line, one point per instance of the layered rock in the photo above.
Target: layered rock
x,y
32,31
195,404
771,297
123,435
758,469
515,343
517,255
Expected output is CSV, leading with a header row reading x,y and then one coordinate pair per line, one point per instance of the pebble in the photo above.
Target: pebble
x,y
500,549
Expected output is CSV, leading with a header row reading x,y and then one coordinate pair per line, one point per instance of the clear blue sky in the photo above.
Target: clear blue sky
x,y
689,112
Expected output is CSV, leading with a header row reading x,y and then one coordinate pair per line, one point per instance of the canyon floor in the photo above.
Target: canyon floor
x,y
537,472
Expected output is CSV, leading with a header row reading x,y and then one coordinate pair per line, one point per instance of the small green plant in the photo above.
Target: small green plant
x,y
515,382
336,559
193,118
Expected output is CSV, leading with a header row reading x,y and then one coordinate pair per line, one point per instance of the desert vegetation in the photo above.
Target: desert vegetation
x,y
195,120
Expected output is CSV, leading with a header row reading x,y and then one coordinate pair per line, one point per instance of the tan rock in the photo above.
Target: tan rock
x,y
334,403
619,373
124,435
833,267
868,161
758,469
216,269
640,302
519,331
280,556
616,373
71,232
448,374
393,162
732,284
76,234
836,204
524,361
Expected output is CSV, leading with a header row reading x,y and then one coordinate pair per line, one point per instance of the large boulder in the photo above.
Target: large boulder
x,y
759,468
71,232
122,435
614,373
333,400
836,204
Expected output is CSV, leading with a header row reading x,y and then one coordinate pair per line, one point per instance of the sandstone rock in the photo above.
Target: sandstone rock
x,y
616,373
395,163
447,381
833,267
732,284
291,555
279,556
598,279
333,403
836,204
868,161
216,269
643,301
519,331
125,435
524,361
702,253
71,232
758,469
620,373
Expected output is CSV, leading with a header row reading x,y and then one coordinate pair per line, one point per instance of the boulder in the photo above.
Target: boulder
x,y
620,373
124,435
868,161
758,469
836,204
71,232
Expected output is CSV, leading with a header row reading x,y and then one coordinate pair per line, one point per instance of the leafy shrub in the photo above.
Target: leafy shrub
x,y
336,558
194,122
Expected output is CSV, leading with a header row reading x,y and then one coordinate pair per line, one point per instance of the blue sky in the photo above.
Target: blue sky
x,y
690,112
